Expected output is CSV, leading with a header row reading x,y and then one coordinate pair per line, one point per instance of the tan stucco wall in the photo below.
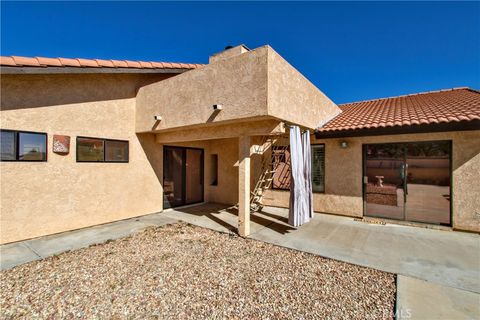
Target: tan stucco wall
x,y
252,84
61,194
227,189
343,176
238,83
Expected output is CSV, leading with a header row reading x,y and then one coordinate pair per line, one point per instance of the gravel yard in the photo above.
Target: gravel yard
x,y
183,271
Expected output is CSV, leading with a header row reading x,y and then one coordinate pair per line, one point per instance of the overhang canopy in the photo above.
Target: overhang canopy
x,y
251,85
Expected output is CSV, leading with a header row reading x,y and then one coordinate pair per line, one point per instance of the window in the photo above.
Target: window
x,y
281,167
116,151
23,146
214,169
318,168
101,150
9,145
90,150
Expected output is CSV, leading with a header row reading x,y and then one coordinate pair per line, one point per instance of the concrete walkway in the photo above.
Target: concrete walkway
x,y
22,252
419,299
438,271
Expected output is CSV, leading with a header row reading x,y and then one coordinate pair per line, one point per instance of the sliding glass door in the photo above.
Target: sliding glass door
x,y
173,176
182,176
428,182
385,187
408,181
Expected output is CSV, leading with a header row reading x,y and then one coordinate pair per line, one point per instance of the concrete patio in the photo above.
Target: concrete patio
x,y
443,257
433,265
438,272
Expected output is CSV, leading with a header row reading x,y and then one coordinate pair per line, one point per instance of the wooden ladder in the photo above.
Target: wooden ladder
x,y
265,178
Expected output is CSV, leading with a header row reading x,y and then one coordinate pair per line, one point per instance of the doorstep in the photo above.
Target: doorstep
x,y
375,220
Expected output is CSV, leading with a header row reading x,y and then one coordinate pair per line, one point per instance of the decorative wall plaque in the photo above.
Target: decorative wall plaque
x,y
61,144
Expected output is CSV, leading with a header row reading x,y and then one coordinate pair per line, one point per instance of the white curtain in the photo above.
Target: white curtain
x,y
301,209
307,169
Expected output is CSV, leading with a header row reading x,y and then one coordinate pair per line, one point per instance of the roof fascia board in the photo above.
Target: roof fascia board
x,y
426,128
68,70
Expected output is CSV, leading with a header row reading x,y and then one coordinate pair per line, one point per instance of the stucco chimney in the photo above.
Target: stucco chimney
x,y
228,53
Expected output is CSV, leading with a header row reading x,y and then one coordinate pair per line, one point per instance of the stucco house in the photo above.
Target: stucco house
x,y
86,142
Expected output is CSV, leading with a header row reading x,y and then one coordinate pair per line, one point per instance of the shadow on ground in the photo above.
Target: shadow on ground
x,y
226,216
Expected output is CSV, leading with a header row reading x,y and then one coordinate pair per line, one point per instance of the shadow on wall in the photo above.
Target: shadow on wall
x,y
213,115
466,149
153,152
31,91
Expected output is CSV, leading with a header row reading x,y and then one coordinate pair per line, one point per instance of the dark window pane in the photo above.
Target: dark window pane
x,y
32,146
214,169
116,151
89,149
385,162
173,183
8,145
318,168
385,151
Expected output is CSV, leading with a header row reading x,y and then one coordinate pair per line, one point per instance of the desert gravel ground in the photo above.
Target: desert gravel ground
x,y
181,271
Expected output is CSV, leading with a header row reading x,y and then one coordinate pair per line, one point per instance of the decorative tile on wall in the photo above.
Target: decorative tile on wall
x,y
61,144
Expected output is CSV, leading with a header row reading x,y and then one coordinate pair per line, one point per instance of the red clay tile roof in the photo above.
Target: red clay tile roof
x,y
14,61
451,105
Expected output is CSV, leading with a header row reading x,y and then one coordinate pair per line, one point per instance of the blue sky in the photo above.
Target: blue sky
x,y
351,51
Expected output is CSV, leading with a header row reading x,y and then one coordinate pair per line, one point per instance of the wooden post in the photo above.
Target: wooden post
x,y
244,186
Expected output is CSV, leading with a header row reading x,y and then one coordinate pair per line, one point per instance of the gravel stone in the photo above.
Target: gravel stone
x,y
182,271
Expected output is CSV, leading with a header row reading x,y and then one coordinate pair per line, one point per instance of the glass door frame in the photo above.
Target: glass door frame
x,y
405,143
184,175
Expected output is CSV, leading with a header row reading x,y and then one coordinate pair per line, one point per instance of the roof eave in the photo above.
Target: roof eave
x,y
395,130
80,70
